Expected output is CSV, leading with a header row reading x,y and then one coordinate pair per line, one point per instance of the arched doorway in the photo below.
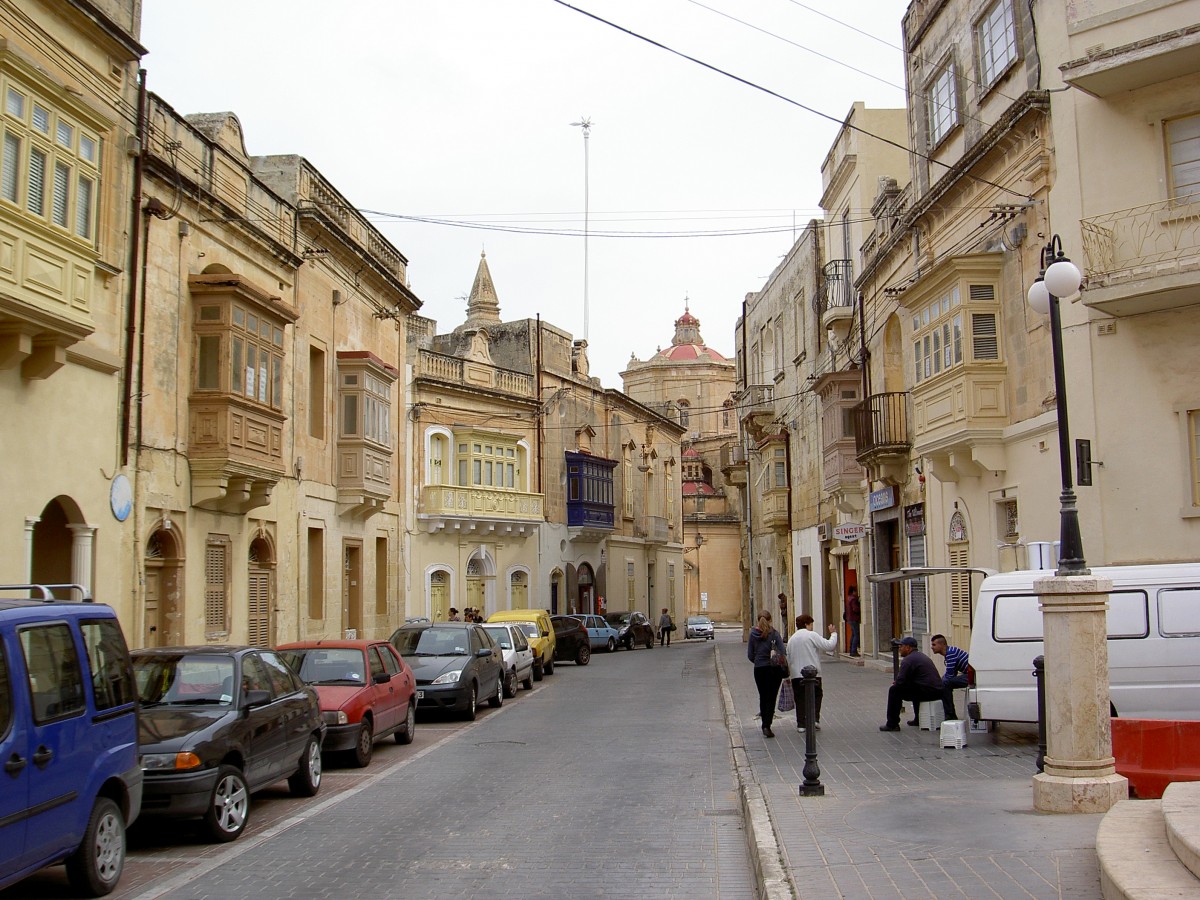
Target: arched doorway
x,y
61,546
586,590
162,620
556,590
260,592
439,595
518,589
481,577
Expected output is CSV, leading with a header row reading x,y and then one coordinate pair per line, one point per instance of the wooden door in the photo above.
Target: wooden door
x,y
258,615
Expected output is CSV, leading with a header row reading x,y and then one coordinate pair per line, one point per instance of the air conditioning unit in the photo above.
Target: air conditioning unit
x,y
823,532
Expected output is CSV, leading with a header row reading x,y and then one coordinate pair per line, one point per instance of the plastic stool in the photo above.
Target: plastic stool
x,y
930,715
954,733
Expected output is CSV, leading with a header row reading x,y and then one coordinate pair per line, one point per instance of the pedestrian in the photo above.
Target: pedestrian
x,y
664,628
804,649
769,654
957,664
453,615
917,681
853,618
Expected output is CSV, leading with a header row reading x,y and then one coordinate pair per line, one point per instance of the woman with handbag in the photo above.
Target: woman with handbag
x,y
768,653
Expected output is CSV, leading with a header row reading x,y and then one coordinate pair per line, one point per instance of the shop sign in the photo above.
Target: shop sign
x,y
914,519
884,498
849,532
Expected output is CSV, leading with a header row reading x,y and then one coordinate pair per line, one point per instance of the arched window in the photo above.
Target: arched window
x,y
958,555
685,413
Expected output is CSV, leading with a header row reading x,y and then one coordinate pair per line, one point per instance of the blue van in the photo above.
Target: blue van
x,y
68,738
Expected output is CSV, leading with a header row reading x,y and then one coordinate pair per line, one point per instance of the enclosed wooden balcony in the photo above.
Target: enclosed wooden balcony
x,y
774,506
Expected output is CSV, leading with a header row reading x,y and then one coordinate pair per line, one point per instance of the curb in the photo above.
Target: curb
x,y
770,874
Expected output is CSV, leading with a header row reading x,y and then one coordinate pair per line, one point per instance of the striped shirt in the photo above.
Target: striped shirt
x,y
956,661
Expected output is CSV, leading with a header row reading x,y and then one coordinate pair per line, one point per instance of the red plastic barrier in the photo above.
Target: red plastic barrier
x,y
1152,753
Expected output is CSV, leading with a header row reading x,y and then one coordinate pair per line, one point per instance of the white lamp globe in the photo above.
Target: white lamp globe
x,y
1039,297
1063,279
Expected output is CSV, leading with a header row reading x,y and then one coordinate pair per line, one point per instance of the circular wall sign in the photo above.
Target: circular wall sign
x,y
120,498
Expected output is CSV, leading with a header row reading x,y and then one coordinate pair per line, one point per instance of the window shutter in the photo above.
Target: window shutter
x,y
58,208
12,156
35,199
984,342
214,589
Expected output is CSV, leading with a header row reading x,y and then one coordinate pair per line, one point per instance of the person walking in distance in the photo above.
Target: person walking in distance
x,y
804,649
664,628
853,618
768,653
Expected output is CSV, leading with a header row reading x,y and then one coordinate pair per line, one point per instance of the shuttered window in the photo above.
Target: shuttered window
x,y
1183,152
984,341
259,612
60,195
938,330
35,196
216,588
12,161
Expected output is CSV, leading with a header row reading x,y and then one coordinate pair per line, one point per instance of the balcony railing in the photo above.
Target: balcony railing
x,y
1156,239
881,426
478,505
655,529
454,370
837,284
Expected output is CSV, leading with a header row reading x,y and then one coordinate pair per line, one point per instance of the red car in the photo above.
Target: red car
x,y
366,692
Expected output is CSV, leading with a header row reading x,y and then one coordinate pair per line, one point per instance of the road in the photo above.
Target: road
x,y
611,780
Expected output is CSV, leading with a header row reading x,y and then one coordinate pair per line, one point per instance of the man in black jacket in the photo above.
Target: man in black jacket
x,y
918,681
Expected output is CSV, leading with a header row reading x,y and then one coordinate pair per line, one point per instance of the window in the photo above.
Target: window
x,y
1193,454
1179,612
627,477
6,696
488,460
316,573
1183,156
239,352
997,37
316,392
727,416
685,413
938,331
780,465
216,587
365,398
630,581
941,98
108,662
50,163
55,681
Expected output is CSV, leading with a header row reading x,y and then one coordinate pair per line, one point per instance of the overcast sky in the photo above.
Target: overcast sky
x,y
462,110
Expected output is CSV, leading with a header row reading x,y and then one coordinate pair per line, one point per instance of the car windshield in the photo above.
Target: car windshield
x,y
530,628
431,641
202,679
327,665
617,619
500,635
698,620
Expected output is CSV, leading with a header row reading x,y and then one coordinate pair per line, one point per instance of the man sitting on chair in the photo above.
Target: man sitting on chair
x,y
956,672
917,681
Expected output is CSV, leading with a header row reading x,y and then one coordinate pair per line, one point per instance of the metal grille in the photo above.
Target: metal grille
x,y
918,594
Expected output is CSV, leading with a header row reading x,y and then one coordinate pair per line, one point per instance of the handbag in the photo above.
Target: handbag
x,y
672,627
787,698
778,659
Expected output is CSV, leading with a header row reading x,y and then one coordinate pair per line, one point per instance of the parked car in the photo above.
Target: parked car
x,y
699,627
633,628
537,627
601,633
366,692
68,738
518,655
455,663
219,723
571,640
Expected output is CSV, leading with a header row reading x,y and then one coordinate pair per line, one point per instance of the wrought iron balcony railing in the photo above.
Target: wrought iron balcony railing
x,y
881,426
1156,239
837,284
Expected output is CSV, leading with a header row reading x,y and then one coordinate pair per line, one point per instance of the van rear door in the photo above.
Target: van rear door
x,y
14,751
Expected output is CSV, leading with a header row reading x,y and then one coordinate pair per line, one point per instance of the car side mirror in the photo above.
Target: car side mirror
x,y
256,698
381,678
483,651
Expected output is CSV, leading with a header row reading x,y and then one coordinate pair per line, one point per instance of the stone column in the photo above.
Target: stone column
x,y
82,542
30,523
1080,774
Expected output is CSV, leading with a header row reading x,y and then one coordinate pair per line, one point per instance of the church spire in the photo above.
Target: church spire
x,y
483,306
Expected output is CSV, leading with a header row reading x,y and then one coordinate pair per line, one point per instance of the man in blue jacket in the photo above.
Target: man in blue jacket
x,y
917,682
956,672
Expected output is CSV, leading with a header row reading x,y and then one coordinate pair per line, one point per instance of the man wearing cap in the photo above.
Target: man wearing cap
x,y
918,681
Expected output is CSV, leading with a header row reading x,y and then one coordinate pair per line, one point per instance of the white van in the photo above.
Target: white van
x,y
1153,640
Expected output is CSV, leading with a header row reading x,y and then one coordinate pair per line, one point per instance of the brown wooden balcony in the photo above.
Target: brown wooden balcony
x,y
733,465
235,453
775,508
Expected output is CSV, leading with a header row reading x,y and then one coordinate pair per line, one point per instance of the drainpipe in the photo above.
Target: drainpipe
x,y
135,215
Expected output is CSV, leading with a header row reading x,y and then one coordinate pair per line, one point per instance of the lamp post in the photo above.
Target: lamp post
x,y
1061,278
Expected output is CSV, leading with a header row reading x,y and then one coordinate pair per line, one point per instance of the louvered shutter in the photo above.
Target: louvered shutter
x,y
214,588
58,205
258,626
985,342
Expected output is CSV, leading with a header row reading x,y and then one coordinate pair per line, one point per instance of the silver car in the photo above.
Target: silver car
x,y
518,655
699,627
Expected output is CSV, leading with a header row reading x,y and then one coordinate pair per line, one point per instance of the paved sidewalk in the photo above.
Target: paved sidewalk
x,y
900,817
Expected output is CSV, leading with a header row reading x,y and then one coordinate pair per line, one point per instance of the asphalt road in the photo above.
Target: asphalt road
x,y
611,780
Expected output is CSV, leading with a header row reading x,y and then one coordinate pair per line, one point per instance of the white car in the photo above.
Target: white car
x,y
518,655
699,627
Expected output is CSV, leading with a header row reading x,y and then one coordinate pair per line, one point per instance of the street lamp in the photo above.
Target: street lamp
x,y
1060,278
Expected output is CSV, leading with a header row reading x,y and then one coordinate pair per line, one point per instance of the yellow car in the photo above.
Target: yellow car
x,y
536,625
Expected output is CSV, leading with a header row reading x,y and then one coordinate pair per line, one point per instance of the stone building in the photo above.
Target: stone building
x,y
694,384
533,485
266,446
69,81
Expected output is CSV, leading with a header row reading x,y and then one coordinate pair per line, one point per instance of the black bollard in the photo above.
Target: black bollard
x,y
811,787
896,659
1039,673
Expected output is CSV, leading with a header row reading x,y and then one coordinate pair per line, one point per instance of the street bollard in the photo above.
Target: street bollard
x,y
1039,673
811,787
895,658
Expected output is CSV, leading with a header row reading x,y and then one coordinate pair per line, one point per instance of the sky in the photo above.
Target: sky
x,y
449,123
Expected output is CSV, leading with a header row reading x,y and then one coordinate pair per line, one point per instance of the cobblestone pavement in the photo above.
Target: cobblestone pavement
x,y
901,817
612,780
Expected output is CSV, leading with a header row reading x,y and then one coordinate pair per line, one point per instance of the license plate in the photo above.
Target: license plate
x,y
420,695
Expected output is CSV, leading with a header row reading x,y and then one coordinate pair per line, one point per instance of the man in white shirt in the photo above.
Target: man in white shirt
x,y
804,649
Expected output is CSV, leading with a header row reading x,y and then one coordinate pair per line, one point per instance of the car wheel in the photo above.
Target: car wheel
x,y
472,704
650,642
549,667
408,729
584,655
307,779
611,645
528,682
228,807
538,671
95,867
497,699
510,684
629,643
365,744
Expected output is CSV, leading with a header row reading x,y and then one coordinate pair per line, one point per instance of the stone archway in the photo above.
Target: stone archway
x,y
162,566
61,546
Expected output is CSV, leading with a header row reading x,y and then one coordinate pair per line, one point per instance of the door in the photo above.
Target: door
x,y
258,633
295,709
475,592
439,596
59,746
14,751
152,635
352,610
265,738
383,696
519,588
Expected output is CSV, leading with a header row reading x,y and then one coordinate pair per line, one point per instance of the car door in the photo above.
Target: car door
x,y
295,708
60,752
383,694
14,750
523,652
265,738
490,666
